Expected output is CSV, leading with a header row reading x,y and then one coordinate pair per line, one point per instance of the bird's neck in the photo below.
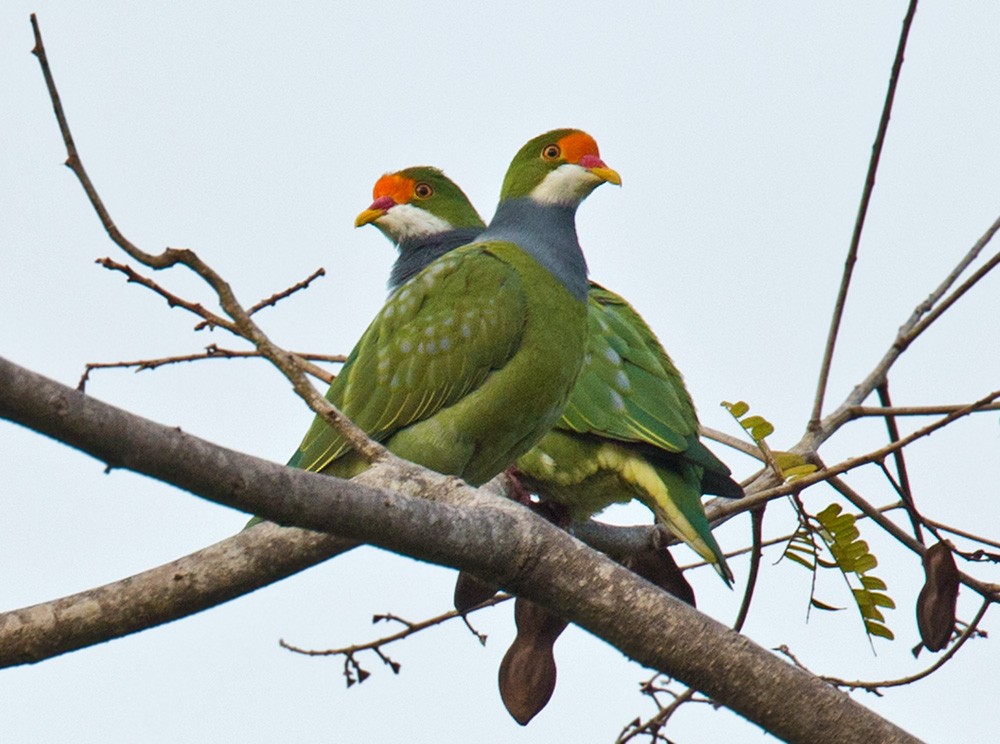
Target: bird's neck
x,y
547,232
417,252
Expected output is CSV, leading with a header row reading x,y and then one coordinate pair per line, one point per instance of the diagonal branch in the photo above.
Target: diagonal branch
x,y
439,519
866,195
286,362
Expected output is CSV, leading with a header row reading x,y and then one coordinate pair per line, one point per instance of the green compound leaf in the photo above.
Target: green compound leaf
x,y
839,534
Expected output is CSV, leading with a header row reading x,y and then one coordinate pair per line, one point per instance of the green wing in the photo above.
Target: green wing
x,y
649,403
628,388
438,337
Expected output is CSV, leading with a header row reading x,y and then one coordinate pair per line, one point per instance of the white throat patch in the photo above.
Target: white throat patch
x,y
566,186
407,221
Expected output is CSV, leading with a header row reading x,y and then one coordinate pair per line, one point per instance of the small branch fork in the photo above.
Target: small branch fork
x,y
354,672
238,320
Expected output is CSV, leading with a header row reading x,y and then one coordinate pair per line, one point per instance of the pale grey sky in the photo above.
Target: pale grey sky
x,y
742,132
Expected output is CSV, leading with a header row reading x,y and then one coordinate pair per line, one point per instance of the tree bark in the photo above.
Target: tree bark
x,y
438,519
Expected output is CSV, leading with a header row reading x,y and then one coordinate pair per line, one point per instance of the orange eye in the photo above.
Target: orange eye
x,y
423,190
551,152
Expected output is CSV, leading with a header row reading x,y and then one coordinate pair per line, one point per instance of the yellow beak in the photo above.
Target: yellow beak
x,y
369,215
608,174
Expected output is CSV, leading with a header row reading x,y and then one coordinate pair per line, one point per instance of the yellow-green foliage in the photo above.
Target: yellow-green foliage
x,y
851,556
837,531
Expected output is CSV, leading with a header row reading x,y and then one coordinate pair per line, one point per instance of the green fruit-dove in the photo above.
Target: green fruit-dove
x,y
629,430
472,359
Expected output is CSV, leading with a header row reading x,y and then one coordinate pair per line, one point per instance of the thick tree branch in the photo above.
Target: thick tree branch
x,y
216,574
496,539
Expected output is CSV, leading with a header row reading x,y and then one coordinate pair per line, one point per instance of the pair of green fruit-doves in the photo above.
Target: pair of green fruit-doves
x,y
494,350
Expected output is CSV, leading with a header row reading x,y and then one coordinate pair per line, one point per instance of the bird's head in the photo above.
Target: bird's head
x,y
418,202
560,167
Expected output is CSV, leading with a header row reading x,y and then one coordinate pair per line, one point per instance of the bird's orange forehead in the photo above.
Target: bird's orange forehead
x,y
394,185
577,144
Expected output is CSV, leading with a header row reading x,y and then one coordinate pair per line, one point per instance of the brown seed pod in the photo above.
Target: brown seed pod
x,y
471,592
528,671
657,565
937,599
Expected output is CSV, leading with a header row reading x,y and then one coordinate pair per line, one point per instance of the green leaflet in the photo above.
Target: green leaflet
x,y
792,466
851,556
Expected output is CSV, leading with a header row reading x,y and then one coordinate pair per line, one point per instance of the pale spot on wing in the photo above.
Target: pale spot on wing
x,y
612,356
622,381
445,343
405,346
617,401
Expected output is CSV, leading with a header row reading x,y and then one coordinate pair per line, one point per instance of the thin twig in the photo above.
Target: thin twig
x,y
874,687
278,296
756,531
860,411
730,441
656,722
961,533
212,351
409,629
209,319
859,223
899,459
906,338
985,590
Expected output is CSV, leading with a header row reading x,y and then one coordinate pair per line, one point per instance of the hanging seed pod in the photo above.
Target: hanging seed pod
x,y
528,671
936,602
657,565
471,592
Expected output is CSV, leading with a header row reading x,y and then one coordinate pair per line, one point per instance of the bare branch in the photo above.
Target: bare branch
x,y
859,411
211,320
866,194
903,485
730,441
875,687
278,296
213,351
241,324
907,334
489,536
408,630
962,533
209,577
